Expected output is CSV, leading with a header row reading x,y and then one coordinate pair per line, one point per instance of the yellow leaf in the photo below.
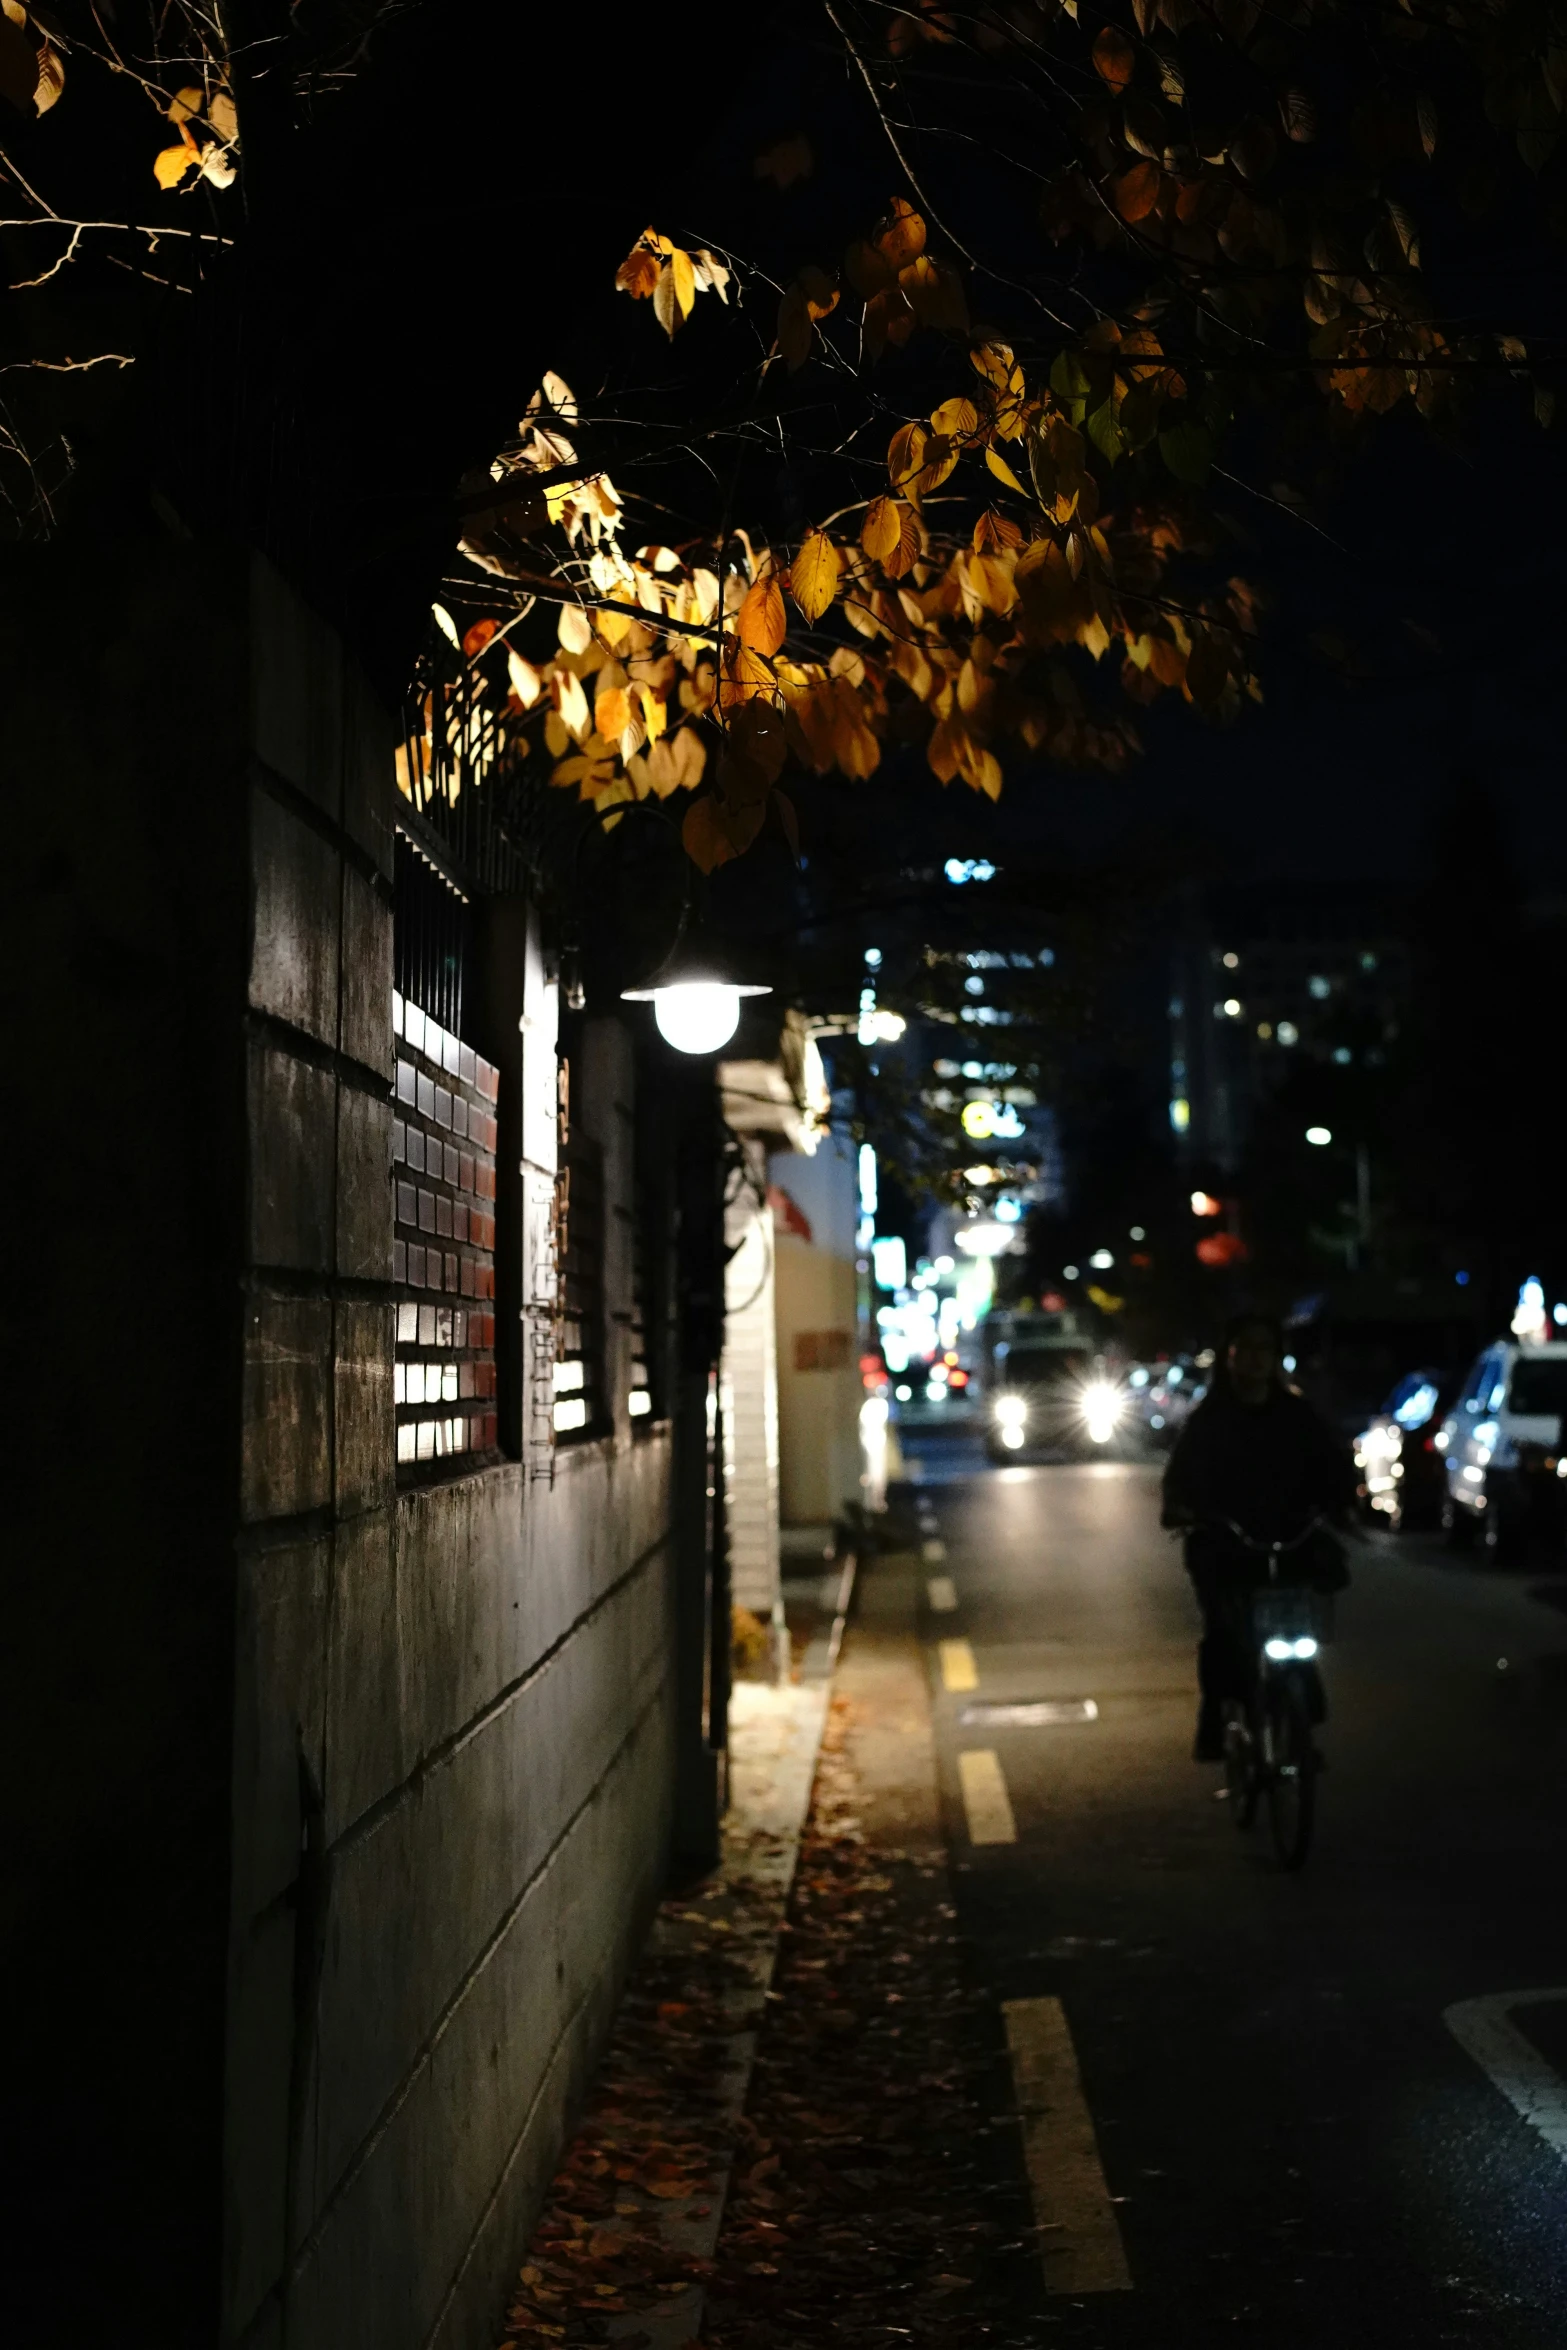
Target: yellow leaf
x,y
612,712
572,704
994,361
760,621
906,553
882,528
51,77
746,674
689,753
574,628
526,682
666,300
905,457
684,280
1003,471
655,714
172,163
957,418
186,104
813,575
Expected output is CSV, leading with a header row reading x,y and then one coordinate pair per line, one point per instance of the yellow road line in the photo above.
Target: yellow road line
x,y
1080,2237
958,1669
985,1799
943,1594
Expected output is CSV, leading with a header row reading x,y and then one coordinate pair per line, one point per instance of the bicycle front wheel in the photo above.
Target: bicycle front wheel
x,y
1240,1765
1292,1771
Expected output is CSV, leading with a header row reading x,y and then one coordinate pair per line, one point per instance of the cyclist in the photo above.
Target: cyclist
x,y
1256,1453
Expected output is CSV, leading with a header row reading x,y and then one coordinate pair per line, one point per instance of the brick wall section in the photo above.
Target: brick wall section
x,y
453,1742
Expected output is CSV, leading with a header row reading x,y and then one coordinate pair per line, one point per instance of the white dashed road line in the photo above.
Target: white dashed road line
x,y
933,1553
1532,2087
1080,2237
943,1594
986,1803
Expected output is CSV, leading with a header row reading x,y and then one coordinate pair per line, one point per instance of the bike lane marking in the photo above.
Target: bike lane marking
x,y
1080,2249
1534,2089
943,1595
987,1806
958,1669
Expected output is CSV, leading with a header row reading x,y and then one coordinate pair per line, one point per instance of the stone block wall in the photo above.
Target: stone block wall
x,y
337,1806
454,1730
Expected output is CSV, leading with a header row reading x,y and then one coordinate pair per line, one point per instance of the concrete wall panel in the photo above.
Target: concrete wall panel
x,y
291,1106
417,2245
286,1464
296,889
427,1884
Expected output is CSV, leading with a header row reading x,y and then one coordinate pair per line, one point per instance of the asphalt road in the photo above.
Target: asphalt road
x,y
1297,2146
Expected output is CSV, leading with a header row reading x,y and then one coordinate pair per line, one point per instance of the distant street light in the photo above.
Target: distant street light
x,y
1320,1135
1204,1204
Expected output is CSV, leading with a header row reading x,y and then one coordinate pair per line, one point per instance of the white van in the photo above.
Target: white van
x,y
1501,1436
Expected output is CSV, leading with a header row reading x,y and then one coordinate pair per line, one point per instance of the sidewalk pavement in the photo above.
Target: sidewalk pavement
x,y
795,2137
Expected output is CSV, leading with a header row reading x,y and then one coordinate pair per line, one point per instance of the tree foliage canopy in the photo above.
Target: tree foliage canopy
x,y
1167,258
1141,266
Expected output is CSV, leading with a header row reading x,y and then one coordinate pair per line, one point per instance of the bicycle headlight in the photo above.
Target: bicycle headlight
x,y
1287,1652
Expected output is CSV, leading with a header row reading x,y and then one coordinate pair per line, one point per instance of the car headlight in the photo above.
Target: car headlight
x,y
1011,1411
1102,1402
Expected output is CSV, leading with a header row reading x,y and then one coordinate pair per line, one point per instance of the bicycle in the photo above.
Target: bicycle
x,y
1270,1745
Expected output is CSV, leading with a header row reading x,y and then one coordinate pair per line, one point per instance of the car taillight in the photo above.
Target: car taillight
x,y
1429,1445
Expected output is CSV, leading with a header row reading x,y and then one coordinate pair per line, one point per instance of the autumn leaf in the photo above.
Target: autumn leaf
x,y
786,161
880,531
478,636
574,629
712,833
571,703
760,621
638,274
666,298
170,164
900,235
31,72
958,418
813,575
1136,192
1115,60
1003,471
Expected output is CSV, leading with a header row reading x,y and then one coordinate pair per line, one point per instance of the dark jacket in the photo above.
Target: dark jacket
x,y
1270,1467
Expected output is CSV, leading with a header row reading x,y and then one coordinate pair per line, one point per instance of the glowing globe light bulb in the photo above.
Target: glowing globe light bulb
x,y
697,1015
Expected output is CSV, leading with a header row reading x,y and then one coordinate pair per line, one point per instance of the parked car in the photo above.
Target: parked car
x,y
1402,1474
1503,1460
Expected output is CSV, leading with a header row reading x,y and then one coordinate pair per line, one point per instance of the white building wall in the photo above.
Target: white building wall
x,y
751,1403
